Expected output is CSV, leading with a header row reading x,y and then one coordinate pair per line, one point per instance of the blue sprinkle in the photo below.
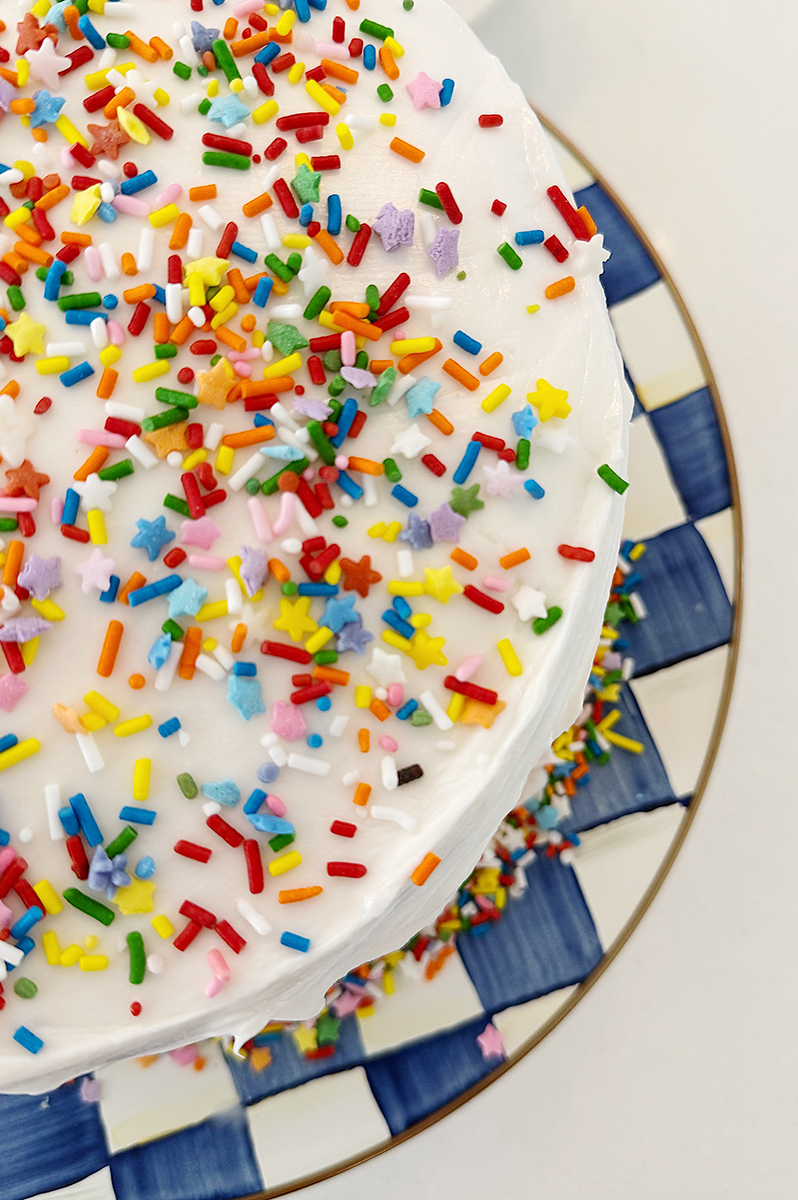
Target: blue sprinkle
x,y
302,10
466,464
160,294
245,695
150,591
52,284
469,344
145,868
110,301
447,90
402,607
268,772
260,419
29,1041
529,237
265,284
69,513
534,489
246,252
315,740
91,830
317,589
390,617
407,710
293,940
138,183
305,215
344,422
334,214
109,595
83,316
158,654
401,494
106,212
268,823
348,485
369,57
26,922
225,791
245,668
254,801
69,821
5,837
8,742
76,374
268,52
136,815
324,704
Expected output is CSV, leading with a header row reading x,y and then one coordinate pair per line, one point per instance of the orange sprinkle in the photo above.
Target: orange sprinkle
x,y
288,482
338,96
249,437
236,281
411,361
464,559
128,262
209,61
120,100
180,231
337,70
105,387
144,291
33,253
231,338
71,18
353,307
110,648
362,793
69,238
230,29
425,868
405,150
192,644
13,562
29,234
367,465
257,205
258,387
331,675
378,365
160,328
136,580
205,191
279,570
330,247
388,63
491,363
569,786
364,740
248,322
54,196
461,374
353,4
514,558
182,331
10,76
136,682
160,47
380,710
141,48
561,288
251,44
592,227
293,895
436,964
23,107
20,265
238,638
39,135
92,464
12,387
441,423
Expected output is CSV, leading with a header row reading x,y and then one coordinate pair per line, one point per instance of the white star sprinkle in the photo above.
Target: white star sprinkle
x,y
529,603
96,493
16,427
46,64
500,480
588,258
410,442
386,668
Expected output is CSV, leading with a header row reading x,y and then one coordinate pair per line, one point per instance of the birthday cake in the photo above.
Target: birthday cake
x,y
313,434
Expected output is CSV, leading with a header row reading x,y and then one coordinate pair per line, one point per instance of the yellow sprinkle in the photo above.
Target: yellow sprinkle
x,y
283,26
196,290
161,97
236,85
272,10
296,72
366,1011
195,458
134,725
419,345
402,587
25,749
344,135
99,704
224,459
69,132
496,397
17,217
151,370
333,573
41,8
388,985
302,160
71,955
210,612
397,641
397,50
85,205
637,551
420,620
52,951
222,298
97,79
322,98
209,645
162,926
133,127
224,316
623,743
318,639
532,308
52,366
286,862
93,721
164,216
96,524
387,118
265,112
49,610
509,657
93,962
612,693
109,355
392,531
296,241
28,650
234,564
91,942
258,338
612,718
376,531
362,696
284,367
141,778
48,896
456,706
212,88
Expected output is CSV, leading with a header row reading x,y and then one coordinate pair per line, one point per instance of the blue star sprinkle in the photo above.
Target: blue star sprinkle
x,y
152,536
417,533
524,421
244,693
420,397
227,111
202,39
340,611
47,109
188,599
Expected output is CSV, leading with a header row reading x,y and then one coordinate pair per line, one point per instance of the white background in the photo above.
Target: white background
x,y
677,1076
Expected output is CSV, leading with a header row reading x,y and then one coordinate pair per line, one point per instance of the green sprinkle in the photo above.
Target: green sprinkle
x,y
187,785
375,30
166,350
429,197
541,624
332,360
118,470
172,416
290,588
285,338
79,300
121,842
223,158
392,472
180,399
278,266
373,297
384,384
337,408
510,257
341,522
337,385
177,503
613,613
8,524
269,486
85,904
252,487
306,184
325,657
82,6
182,69
420,717
173,629
138,957
327,1029
15,297
362,360
461,275
66,279
26,988
408,5
280,841
225,60
322,442
316,303
211,292
294,262
215,359
203,71
522,454
352,223
385,93
612,480
118,40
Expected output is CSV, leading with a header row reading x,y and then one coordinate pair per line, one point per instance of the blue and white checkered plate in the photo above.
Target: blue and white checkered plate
x,y
169,1132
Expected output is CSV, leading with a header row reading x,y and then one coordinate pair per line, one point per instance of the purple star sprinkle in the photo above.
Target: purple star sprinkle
x,y
417,533
444,252
358,378
395,226
316,410
41,576
22,629
253,569
353,637
445,524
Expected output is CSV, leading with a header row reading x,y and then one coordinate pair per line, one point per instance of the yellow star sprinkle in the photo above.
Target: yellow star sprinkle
x,y
305,1039
294,619
425,650
85,205
27,335
549,401
135,897
209,270
441,584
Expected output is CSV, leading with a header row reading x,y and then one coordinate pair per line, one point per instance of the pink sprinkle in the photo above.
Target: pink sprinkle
x,y
337,50
309,475
246,7
213,987
184,1056
495,584
276,805
202,532
100,437
6,915
342,462
401,335
67,160
93,263
168,195
286,514
348,348
206,562
116,334
243,355
56,509
7,856
242,368
287,721
260,522
396,695
388,743
131,205
17,504
469,666
217,963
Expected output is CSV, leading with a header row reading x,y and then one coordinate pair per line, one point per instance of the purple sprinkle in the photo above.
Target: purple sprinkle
x,y
22,629
358,378
445,524
316,410
444,252
41,576
395,226
254,569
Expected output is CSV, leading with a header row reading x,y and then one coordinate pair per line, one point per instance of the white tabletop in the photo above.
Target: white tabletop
x,y
676,1076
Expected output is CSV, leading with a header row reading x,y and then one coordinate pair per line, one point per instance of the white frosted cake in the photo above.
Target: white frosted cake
x,y
313,434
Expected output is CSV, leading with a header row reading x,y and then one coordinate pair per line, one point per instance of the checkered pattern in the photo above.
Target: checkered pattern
x,y
229,1131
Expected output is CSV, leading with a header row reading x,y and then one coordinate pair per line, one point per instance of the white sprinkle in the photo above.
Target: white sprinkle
x,y
305,521
108,259
10,602
141,452
155,964
269,227
211,217
26,834
213,435
291,546
166,673
446,744
11,954
436,712
429,230
174,458
636,601
109,169
286,312
313,766
196,238
174,301
381,812
221,652
370,494
338,726
107,192
146,248
350,778
67,349
403,384
183,736
250,470
210,667
88,748
390,775
269,739
196,316
253,917
360,124
404,561
431,303
278,756
235,601
52,803
99,333
211,808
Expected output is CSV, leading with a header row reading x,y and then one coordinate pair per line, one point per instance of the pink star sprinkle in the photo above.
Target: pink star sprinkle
x,y
425,92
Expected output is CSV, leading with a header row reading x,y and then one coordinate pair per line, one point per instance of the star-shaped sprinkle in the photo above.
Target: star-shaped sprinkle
x,y
245,695
135,897
441,584
313,273
588,258
359,576
549,401
209,270
107,140
410,442
395,226
285,338
445,524
25,480
40,576
466,500
171,437
353,637
12,689
227,110
476,713
417,534
306,184
385,668
23,629
16,426
254,569
420,397
524,421
214,386
426,651
47,110
425,92
95,571
358,377
287,721
340,611
501,480
96,493
202,532
85,204
30,34
294,619
106,874
202,38
555,440
444,251
490,1042
46,64
7,94
188,599
152,536
529,603
27,335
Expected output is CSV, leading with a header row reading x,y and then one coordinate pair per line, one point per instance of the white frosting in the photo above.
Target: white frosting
x,y
84,1019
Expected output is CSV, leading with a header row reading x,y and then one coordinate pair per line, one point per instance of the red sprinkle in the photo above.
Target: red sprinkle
x,y
498,207
433,464
153,121
577,553
569,214
229,235
192,850
254,866
556,248
358,247
311,133
135,1009
187,935
229,935
194,913
490,120
286,200
263,79
283,650
348,870
173,558
305,695
479,598
464,688
224,830
326,162
13,872
77,857
235,146
300,120
343,829
392,293
27,894
76,535
338,29
488,441
449,203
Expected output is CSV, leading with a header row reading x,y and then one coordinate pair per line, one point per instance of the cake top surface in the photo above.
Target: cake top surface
x,y
313,428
